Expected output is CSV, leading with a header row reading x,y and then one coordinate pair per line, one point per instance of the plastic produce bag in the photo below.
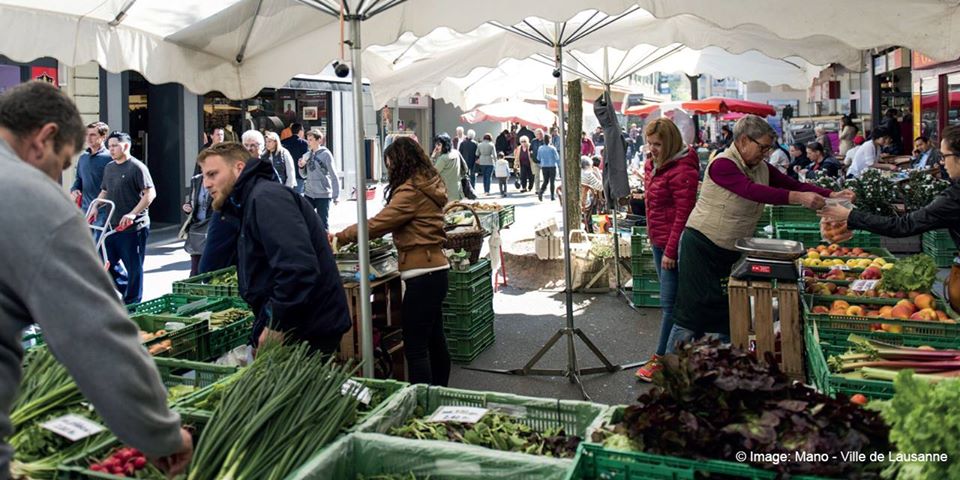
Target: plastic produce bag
x,y
834,231
370,454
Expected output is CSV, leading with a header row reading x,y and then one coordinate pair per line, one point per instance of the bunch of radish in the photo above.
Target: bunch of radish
x,y
124,462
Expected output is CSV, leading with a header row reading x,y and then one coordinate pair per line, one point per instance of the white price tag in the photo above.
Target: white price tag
x,y
362,393
845,268
73,427
863,285
458,414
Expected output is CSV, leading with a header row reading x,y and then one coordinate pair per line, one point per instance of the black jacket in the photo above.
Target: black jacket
x,y
297,148
220,249
503,144
468,150
943,212
286,270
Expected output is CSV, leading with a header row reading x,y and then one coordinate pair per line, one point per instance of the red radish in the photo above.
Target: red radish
x,y
124,454
139,462
117,470
96,467
110,463
130,470
136,453
859,399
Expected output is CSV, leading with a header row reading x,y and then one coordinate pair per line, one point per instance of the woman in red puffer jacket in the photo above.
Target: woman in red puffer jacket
x,y
671,175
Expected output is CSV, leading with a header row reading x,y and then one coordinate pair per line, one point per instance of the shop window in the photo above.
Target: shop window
x,y
953,99
929,107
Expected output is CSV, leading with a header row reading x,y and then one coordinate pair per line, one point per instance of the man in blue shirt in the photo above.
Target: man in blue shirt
x,y
86,187
925,156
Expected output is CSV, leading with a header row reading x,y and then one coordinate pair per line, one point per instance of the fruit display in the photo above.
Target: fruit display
x,y
487,207
855,258
922,307
827,288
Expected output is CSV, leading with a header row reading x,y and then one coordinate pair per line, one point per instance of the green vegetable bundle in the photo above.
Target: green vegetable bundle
x,y
225,279
228,316
277,414
923,419
916,273
46,387
496,431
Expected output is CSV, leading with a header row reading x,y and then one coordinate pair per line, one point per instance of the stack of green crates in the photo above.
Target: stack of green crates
x,y
468,312
646,283
809,234
940,246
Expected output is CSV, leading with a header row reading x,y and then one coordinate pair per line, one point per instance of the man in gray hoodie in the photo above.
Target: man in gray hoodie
x,y
322,184
52,277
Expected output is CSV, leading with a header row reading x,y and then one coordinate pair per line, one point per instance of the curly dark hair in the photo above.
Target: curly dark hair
x,y
406,160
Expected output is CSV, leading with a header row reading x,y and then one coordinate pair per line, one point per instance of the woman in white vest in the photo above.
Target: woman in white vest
x,y
737,185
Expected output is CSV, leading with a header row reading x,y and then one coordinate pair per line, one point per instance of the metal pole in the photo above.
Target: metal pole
x,y
567,274
366,322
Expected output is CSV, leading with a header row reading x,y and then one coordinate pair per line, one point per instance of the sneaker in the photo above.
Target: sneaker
x,y
540,196
645,373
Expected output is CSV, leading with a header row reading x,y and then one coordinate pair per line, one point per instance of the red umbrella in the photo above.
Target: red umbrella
x,y
728,105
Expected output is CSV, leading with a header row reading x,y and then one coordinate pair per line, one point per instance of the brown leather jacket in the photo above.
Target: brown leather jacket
x,y
415,217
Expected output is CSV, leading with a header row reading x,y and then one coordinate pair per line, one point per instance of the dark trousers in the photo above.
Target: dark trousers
x,y
526,177
194,265
473,167
322,206
425,346
130,248
503,185
549,174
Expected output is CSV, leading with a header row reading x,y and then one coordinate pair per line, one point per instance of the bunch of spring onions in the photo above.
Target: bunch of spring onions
x,y
875,360
46,387
282,410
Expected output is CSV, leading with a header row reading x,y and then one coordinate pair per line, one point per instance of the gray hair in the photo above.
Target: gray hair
x,y
818,129
471,134
255,136
753,127
586,162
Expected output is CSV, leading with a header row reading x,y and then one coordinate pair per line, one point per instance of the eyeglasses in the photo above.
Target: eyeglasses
x,y
764,149
948,155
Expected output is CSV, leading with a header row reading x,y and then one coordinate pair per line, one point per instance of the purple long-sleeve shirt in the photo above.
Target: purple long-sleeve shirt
x,y
725,173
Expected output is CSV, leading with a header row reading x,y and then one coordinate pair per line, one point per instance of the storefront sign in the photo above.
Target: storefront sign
x,y
45,74
9,76
922,61
880,65
413,101
899,58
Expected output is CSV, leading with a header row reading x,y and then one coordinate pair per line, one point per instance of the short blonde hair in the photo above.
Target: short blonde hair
x,y
670,138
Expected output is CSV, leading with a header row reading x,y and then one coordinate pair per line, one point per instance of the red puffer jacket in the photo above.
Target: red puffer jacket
x,y
671,192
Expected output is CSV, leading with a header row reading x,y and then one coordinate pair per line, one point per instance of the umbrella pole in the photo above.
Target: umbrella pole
x,y
572,370
366,322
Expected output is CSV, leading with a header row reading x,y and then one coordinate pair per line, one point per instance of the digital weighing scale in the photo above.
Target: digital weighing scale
x,y
768,259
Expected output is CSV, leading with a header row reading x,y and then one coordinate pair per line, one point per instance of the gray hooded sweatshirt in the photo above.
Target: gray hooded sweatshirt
x,y
52,276
321,175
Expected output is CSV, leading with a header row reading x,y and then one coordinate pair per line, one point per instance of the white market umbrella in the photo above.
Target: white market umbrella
x,y
536,116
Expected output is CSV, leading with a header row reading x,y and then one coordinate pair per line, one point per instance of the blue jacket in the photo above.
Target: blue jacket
x,y
548,156
90,174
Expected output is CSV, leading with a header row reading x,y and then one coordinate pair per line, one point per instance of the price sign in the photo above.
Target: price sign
x,y
863,285
362,393
73,427
845,268
458,414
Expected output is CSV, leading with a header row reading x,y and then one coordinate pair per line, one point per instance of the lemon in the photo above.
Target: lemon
x,y
887,266
813,255
880,261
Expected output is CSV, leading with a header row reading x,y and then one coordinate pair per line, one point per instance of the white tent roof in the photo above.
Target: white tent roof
x,y
197,42
419,63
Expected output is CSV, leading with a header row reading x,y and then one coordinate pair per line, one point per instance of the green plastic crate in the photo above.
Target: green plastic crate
x,y
646,283
467,294
939,239
465,320
593,462
507,216
818,347
792,213
943,257
216,342
174,371
372,455
938,334
640,243
184,342
646,299
541,414
466,348
643,265
178,305
199,285
457,279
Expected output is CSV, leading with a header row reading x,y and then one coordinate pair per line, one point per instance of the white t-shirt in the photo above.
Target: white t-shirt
x,y
848,158
865,158
780,160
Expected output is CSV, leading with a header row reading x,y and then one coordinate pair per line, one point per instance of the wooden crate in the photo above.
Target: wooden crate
x,y
758,321
387,297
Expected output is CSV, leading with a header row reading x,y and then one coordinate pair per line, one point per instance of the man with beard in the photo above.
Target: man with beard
x,y
286,269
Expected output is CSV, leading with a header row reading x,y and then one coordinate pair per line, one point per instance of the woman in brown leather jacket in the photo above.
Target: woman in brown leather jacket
x,y
415,198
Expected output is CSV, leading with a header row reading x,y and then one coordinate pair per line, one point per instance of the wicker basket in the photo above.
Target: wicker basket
x,y
462,238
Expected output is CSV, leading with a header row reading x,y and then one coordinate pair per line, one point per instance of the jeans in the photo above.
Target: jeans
x,y
474,169
669,279
503,185
299,187
487,171
685,335
549,175
322,206
425,346
129,247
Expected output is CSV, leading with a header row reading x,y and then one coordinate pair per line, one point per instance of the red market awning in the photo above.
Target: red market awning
x,y
720,105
